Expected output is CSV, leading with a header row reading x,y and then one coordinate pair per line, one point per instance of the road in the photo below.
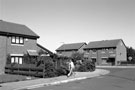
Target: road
x,y
118,79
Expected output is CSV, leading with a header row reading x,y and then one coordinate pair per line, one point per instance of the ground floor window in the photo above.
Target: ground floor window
x,y
17,59
112,61
104,60
94,59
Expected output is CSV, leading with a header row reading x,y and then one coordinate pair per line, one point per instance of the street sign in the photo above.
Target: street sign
x,y
130,58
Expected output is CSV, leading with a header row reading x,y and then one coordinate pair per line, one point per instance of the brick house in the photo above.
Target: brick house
x,y
69,49
107,52
16,40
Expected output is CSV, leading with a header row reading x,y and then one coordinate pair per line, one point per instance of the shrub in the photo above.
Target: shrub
x,y
77,56
86,66
49,70
82,68
8,59
61,71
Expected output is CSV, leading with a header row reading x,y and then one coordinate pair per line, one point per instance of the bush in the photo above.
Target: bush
x,y
86,66
50,70
62,71
77,56
8,59
82,68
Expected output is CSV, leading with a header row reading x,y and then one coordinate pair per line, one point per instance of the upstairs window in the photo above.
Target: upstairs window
x,y
94,50
103,52
17,40
13,40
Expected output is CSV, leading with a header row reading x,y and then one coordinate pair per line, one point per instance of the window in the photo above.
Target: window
x,y
110,51
12,60
94,51
21,40
20,60
103,52
17,59
17,40
13,39
87,51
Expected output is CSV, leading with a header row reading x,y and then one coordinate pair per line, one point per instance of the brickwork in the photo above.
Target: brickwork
x,y
118,54
2,53
29,44
6,47
121,52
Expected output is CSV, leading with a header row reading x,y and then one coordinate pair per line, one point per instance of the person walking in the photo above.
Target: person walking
x,y
71,68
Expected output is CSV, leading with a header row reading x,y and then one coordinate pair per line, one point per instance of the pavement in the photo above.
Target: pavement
x,y
36,83
130,66
1,72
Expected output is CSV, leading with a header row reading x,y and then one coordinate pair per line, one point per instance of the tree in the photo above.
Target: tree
x,y
48,66
77,56
131,53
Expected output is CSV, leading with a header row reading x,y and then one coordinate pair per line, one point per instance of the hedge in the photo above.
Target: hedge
x,y
86,66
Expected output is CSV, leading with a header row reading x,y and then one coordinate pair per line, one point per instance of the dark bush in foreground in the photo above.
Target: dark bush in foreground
x,y
86,66
50,70
61,71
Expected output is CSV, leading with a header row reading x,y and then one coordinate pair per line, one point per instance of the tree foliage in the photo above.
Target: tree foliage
x,y
86,66
77,56
131,53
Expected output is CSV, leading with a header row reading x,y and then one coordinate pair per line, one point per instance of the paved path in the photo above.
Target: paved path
x,y
115,66
30,84
1,72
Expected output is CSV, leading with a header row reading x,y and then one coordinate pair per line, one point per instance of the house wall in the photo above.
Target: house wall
x,y
66,53
121,52
100,54
38,49
6,47
70,52
30,44
2,53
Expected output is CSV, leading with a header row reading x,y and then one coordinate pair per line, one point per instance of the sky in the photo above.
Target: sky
x,y
60,22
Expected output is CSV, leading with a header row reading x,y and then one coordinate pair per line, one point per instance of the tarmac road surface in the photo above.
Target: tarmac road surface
x,y
118,79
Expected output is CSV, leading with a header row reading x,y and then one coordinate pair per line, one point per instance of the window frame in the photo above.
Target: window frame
x,y
17,40
12,59
21,38
13,39
16,59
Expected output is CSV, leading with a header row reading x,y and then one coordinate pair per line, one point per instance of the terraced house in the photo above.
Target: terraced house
x,y
16,40
107,52
69,49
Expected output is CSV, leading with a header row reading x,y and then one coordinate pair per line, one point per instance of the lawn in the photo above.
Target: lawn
x,y
5,78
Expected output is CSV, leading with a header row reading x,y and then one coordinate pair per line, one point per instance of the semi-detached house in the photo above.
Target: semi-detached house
x,y
16,40
70,48
107,52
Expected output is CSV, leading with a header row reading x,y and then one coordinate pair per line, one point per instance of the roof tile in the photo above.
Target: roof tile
x,y
72,46
8,27
103,44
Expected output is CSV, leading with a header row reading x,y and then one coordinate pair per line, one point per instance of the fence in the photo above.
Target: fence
x,y
27,69
127,63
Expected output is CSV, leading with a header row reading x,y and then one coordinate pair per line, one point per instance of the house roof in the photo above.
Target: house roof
x,y
32,52
13,28
45,49
71,46
103,44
